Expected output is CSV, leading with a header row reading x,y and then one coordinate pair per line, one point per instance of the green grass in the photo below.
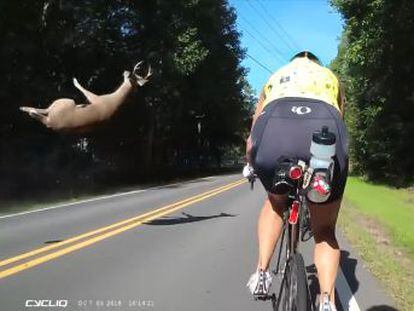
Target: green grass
x,y
392,208
379,223
384,262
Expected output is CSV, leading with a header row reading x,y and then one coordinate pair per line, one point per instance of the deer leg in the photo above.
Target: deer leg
x,y
37,114
91,97
81,105
43,111
32,110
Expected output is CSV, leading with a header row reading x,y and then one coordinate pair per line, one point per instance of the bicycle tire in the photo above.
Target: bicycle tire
x,y
295,289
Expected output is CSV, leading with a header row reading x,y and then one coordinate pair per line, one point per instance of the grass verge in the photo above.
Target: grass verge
x,y
378,222
392,208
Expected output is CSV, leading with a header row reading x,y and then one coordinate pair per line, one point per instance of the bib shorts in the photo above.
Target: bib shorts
x,y
285,128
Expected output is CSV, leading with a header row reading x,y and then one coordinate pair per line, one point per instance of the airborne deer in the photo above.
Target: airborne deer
x,y
67,116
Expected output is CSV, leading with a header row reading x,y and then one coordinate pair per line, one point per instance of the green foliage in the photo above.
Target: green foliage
x,y
190,52
376,66
193,109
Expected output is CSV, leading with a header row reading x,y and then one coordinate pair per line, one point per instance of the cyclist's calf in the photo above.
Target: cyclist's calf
x,y
323,221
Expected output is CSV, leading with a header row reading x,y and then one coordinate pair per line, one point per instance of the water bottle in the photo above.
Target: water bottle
x,y
322,150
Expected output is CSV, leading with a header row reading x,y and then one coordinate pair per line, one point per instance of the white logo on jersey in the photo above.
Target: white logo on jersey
x,y
301,110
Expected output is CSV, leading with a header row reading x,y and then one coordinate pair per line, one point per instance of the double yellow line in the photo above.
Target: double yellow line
x,y
103,233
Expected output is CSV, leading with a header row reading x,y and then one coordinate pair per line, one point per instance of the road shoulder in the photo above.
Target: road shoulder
x,y
387,263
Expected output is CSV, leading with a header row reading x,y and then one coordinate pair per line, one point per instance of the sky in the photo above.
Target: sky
x,y
274,30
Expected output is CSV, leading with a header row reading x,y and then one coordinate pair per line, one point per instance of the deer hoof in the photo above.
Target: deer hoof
x,y
24,109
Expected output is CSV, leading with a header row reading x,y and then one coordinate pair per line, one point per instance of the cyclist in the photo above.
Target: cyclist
x,y
297,100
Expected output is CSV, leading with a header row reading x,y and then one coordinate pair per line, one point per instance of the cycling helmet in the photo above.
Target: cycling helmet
x,y
308,55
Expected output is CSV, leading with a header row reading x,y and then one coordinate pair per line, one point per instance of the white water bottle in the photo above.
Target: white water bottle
x,y
322,150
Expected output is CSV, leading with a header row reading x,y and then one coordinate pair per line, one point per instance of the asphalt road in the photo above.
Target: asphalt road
x,y
187,246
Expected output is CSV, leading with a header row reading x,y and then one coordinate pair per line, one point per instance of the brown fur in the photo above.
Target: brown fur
x,y
65,115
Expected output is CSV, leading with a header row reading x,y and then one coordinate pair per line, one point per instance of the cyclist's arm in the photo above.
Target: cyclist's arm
x,y
341,99
259,107
258,111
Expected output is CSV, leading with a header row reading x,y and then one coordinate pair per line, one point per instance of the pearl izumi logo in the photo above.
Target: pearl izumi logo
x,y
46,303
301,110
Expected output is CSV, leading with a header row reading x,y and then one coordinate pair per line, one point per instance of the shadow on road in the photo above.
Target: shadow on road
x,y
53,241
348,266
186,219
382,308
313,282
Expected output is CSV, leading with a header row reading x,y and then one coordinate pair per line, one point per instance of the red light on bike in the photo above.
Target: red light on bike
x,y
294,213
295,172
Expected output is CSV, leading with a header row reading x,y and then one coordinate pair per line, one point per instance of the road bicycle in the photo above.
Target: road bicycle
x,y
294,293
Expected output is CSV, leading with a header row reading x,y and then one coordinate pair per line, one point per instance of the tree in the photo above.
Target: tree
x,y
194,49
375,61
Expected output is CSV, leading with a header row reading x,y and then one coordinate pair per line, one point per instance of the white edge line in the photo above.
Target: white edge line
x,y
346,297
73,203
104,197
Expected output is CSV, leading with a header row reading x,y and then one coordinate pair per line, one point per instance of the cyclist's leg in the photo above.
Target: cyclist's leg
x,y
91,97
327,252
269,228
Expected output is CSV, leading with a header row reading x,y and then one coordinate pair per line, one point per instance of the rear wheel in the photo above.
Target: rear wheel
x,y
295,296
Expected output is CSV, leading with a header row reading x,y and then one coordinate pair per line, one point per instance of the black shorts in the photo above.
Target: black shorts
x,y
285,128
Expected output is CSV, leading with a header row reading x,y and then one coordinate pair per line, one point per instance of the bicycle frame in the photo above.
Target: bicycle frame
x,y
294,230
296,223
297,227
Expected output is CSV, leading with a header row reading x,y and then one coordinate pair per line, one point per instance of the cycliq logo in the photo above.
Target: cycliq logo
x,y
301,110
45,303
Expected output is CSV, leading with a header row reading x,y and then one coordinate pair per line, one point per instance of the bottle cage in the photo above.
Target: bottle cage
x,y
327,173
